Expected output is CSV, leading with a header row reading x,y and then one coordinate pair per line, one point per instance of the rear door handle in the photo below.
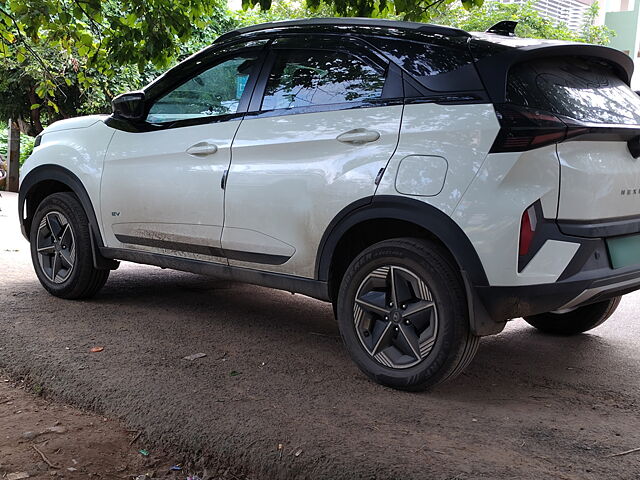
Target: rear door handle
x,y
202,149
358,136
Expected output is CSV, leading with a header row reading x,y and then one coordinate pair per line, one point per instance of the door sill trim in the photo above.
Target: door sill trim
x,y
280,281
250,257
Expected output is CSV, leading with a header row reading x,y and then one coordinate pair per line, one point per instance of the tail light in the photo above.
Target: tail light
x,y
525,128
527,229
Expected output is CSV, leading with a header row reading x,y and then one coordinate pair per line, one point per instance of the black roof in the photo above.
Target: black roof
x,y
493,53
340,23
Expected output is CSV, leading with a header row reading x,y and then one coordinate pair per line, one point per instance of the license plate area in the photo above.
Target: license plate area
x,y
624,251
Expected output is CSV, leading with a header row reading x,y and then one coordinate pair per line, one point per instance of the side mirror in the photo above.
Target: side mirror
x,y
129,106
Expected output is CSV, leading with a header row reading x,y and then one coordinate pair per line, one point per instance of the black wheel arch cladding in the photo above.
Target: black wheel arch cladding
x,y
428,218
414,211
47,173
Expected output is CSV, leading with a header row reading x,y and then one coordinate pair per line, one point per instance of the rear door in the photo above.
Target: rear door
x,y
599,178
324,120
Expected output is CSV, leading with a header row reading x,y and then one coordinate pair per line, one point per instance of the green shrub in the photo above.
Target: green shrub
x,y
26,144
4,140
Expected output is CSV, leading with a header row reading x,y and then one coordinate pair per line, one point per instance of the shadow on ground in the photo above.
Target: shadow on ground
x,y
530,406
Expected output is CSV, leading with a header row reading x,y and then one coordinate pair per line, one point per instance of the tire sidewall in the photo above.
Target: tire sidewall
x,y
63,203
580,320
452,319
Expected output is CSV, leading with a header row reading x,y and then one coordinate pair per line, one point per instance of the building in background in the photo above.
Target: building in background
x,y
623,17
570,12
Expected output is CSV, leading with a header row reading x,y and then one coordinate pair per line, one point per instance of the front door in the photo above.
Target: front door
x,y
161,188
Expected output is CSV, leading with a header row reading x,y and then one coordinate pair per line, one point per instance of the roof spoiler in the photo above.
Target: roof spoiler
x,y
506,28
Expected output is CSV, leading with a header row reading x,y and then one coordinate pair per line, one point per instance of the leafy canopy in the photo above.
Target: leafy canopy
x,y
418,10
530,22
61,58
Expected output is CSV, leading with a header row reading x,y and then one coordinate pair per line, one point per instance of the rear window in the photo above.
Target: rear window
x,y
581,88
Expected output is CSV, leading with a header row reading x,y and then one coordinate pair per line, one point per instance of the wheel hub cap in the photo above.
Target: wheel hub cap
x,y
395,317
55,246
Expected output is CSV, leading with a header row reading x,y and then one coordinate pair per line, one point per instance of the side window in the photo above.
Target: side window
x,y
439,68
214,92
303,78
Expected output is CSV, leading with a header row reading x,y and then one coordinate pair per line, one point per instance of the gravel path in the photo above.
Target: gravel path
x,y
275,374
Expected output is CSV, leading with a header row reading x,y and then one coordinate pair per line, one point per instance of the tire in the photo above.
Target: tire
x,y
428,285
75,276
580,320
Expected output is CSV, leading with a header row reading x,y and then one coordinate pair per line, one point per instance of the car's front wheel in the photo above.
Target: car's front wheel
x,y
61,248
402,314
579,320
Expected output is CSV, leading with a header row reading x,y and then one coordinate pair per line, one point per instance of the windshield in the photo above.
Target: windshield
x,y
584,89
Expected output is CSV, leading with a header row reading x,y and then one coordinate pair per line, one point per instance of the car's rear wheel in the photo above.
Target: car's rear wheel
x,y
573,322
61,248
403,315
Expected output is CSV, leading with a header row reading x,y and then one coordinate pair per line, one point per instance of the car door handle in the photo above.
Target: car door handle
x,y
201,149
358,136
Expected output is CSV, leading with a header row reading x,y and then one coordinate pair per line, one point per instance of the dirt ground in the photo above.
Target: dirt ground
x,y
277,397
40,439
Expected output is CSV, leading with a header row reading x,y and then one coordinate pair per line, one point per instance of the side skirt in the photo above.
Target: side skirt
x,y
279,281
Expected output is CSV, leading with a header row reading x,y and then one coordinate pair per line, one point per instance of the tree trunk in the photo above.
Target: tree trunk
x,y
13,162
36,125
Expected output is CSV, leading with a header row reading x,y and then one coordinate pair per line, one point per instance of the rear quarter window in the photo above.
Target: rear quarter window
x,y
585,89
437,67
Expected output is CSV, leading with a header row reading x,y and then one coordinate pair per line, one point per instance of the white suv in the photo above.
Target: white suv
x,y
431,183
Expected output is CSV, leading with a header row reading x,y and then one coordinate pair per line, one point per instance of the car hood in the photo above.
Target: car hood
x,y
72,123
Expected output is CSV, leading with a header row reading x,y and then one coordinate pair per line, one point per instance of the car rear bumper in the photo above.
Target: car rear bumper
x,y
588,278
503,303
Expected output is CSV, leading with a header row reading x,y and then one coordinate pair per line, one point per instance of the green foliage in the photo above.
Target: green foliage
x,y
419,10
26,144
281,10
592,33
530,23
60,58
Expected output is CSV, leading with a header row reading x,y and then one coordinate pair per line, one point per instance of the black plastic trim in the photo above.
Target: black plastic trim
x,y
449,99
60,174
305,286
546,229
514,302
601,228
64,176
332,107
400,208
253,257
505,27
142,127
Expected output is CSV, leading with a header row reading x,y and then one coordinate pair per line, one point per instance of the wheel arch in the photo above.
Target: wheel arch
x,y
358,226
45,180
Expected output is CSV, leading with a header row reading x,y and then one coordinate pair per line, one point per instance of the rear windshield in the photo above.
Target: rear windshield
x,y
581,88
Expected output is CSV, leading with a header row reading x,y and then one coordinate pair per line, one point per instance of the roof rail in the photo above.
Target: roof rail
x,y
344,22
505,27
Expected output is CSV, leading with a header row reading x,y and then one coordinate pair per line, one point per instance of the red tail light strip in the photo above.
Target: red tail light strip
x,y
523,128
